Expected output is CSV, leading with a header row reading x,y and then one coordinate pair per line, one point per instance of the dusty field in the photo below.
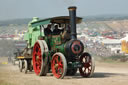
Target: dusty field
x,y
105,74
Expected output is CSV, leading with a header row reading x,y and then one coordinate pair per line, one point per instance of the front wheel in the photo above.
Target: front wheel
x,y
20,65
88,65
25,66
59,65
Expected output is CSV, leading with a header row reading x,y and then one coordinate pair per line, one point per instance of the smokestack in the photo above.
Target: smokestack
x,y
72,14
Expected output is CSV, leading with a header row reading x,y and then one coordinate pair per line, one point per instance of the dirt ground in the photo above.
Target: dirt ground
x,y
105,74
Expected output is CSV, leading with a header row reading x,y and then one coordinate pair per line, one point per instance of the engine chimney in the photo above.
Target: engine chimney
x,y
72,14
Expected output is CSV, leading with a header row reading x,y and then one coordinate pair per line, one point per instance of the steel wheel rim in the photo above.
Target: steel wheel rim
x,y
20,65
86,68
37,58
57,66
25,66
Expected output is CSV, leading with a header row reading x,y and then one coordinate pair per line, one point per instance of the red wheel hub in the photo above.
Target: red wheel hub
x,y
86,68
57,66
37,58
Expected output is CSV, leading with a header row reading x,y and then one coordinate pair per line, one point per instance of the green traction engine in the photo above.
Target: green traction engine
x,y
52,46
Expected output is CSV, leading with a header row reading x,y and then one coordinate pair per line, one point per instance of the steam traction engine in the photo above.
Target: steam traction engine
x,y
59,51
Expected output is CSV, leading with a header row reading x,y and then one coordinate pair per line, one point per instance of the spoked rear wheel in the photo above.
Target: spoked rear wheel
x,y
39,64
59,65
88,65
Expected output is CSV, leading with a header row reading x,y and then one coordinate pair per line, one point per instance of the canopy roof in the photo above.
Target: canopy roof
x,y
59,20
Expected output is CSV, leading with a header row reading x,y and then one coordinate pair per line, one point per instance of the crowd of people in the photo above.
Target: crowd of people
x,y
98,49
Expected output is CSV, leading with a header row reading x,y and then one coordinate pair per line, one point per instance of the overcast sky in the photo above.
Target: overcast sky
x,y
13,9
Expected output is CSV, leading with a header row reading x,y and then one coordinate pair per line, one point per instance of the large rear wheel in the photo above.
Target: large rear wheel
x,y
59,65
88,65
39,60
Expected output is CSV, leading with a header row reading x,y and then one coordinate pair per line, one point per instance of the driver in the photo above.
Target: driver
x,y
57,31
47,30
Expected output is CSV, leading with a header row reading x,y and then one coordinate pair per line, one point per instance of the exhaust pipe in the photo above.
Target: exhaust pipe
x,y
72,14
